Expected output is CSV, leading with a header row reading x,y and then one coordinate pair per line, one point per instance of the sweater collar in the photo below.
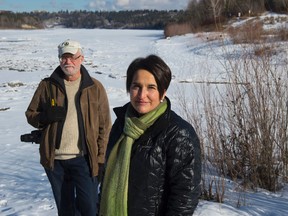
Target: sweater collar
x,y
58,77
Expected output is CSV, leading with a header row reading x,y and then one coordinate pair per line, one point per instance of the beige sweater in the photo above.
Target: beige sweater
x,y
69,147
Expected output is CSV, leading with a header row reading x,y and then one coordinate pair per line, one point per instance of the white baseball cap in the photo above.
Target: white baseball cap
x,y
68,46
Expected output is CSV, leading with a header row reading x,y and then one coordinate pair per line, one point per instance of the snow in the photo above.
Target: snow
x,y
27,56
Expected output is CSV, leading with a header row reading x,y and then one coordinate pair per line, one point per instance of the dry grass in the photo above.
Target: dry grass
x,y
250,32
173,29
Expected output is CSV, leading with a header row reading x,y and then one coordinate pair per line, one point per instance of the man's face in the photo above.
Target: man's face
x,y
70,64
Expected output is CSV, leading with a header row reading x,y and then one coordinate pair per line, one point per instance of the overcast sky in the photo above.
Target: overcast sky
x,y
71,5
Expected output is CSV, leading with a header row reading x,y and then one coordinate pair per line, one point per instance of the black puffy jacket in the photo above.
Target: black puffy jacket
x,y
165,168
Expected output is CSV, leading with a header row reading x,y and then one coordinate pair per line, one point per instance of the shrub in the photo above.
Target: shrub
x,y
242,125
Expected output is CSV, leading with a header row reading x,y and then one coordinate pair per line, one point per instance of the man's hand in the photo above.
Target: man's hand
x,y
53,114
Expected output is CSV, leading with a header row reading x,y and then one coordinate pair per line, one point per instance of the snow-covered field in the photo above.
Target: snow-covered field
x,y
26,57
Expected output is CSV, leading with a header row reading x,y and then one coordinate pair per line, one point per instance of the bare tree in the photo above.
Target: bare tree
x,y
216,6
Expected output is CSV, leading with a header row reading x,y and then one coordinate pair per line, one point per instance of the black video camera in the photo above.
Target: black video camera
x,y
34,137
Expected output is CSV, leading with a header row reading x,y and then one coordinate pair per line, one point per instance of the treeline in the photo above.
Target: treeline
x,y
9,20
214,15
200,15
211,12
137,19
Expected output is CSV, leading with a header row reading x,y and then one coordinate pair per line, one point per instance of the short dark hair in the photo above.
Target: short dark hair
x,y
156,66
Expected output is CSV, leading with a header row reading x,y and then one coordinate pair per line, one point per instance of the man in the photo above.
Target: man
x,y
71,108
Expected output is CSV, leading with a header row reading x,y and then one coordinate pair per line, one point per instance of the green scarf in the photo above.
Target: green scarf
x,y
114,194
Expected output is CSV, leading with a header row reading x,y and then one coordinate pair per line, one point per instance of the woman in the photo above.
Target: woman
x,y
154,159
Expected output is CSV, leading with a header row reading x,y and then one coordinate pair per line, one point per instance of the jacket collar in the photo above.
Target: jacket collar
x,y
58,77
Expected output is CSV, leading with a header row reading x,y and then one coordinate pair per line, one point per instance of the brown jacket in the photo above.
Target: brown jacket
x,y
94,118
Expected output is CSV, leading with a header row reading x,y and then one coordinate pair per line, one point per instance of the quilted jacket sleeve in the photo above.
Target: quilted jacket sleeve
x,y
184,171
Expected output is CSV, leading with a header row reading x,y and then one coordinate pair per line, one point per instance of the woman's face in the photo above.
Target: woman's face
x,y
144,94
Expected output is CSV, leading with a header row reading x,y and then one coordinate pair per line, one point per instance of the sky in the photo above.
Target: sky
x,y
27,56
91,5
